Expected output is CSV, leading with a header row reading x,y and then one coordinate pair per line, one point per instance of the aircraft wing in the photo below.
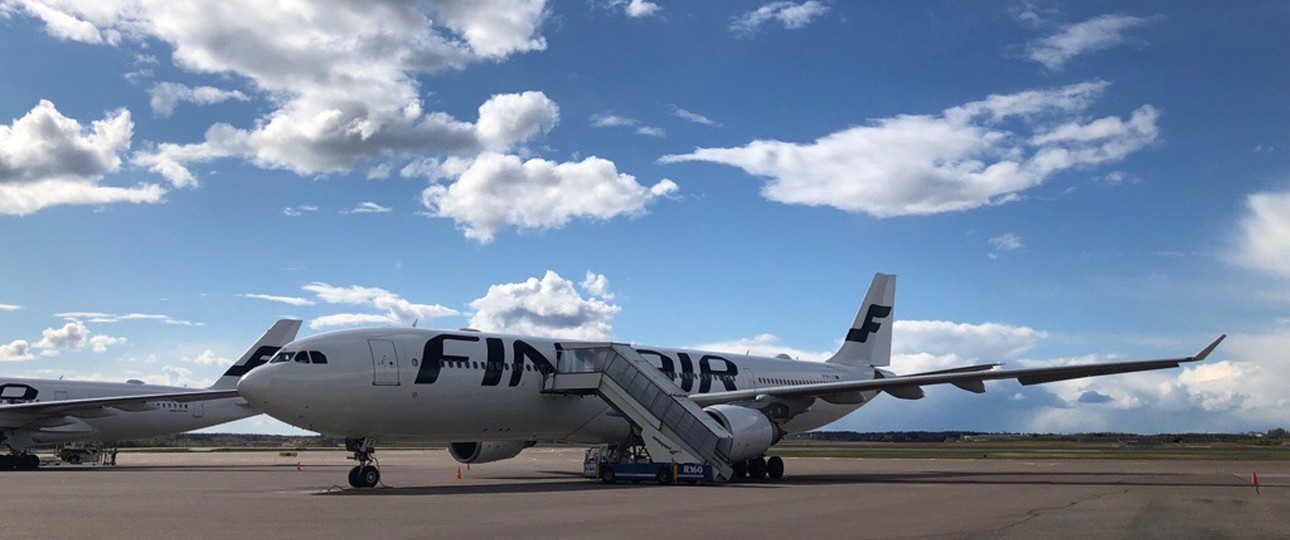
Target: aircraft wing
x,y
18,414
969,378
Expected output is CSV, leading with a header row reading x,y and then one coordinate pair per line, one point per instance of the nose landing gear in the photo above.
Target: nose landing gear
x,y
363,475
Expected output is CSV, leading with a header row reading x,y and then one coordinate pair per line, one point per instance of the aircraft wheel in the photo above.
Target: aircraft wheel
x,y
775,467
7,463
369,476
353,477
29,462
607,475
741,470
664,476
757,468
74,459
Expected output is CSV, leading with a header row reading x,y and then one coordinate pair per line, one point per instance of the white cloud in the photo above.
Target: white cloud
x,y
173,376
606,119
167,95
10,307
99,317
297,211
1263,243
550,306
481,200
47,159
209,358
343,74
791,15
74,336
642,8
398,311
17,350
693,117
597,285
960,159
1005,242
1099,33
367,207
651,131
289,300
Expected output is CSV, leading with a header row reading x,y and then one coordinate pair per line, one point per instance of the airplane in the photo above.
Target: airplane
x,y
489,396
39,412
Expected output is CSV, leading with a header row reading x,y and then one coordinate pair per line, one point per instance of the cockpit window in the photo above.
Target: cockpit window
x,y
302,357
283,356
317,357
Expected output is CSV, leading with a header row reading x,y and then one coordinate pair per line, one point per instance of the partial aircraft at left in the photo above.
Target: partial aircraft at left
x,y
38,412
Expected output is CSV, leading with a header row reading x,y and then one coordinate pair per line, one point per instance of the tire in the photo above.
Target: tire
x,y
741,470
607,475
775,467
757,468
29,462
664,476
74,459
353,477
369,476
7,463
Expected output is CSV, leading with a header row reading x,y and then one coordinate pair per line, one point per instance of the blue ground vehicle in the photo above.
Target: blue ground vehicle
x,y
612,463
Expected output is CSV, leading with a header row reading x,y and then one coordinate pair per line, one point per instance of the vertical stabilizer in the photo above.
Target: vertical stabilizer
x,y
868,342
281,333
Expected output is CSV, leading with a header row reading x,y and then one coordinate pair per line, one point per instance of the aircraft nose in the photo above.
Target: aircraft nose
x,y
254,387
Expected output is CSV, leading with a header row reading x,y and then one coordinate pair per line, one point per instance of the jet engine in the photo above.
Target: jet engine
x,y
486,452
752,431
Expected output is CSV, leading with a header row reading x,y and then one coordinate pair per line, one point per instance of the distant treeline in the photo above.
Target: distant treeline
x,y
1275,436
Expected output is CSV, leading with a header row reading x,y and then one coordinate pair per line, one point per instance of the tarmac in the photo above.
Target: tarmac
x,y
541,494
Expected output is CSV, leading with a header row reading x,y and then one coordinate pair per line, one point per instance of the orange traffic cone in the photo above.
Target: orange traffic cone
x,y
1254,478
297,466
459,472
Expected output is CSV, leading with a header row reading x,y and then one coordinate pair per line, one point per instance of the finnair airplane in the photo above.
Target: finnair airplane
x,y
38,412
489,396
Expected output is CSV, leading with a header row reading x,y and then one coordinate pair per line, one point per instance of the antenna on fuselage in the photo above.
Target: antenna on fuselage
x,y
414,322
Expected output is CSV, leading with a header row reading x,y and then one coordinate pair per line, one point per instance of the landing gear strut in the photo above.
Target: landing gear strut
x,y
363,475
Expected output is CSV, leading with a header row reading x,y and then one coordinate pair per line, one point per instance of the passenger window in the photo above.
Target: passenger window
x,y
281,357
317,357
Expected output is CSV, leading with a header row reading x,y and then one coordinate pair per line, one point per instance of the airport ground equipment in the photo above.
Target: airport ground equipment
x,y
671,427
632,463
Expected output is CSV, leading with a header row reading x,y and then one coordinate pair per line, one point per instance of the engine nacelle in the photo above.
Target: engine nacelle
x,y
486,452
752,431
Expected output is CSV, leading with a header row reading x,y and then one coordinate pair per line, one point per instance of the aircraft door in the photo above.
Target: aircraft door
x,y
198,408
385,362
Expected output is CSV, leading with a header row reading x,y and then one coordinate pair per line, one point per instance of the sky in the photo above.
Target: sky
x,y
1053,182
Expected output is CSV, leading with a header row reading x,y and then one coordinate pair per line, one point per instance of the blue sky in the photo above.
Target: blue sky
x,y
1053,182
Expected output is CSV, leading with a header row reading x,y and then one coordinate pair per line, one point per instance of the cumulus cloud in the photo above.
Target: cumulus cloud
x,y
74,336
481,200
641,8
289,300
173,376
397,310
551,306
167,95
1099,33
960,159
342,74
367,207
10,307
17,350
47,159
597,285
791,15
1263,242
209,358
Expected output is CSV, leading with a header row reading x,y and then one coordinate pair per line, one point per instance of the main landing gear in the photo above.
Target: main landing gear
x,y
19,462
760,468
363,475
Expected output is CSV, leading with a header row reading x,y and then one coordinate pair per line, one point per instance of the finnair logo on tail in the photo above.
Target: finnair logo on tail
x,y
870,326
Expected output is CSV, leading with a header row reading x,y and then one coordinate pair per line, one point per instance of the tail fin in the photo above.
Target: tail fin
x,y
281,333
868,342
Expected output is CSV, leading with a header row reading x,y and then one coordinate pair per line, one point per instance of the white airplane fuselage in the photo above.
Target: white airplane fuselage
x,y
112,424
416,385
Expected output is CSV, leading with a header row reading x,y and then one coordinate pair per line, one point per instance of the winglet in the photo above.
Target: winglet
x,y
1205,352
